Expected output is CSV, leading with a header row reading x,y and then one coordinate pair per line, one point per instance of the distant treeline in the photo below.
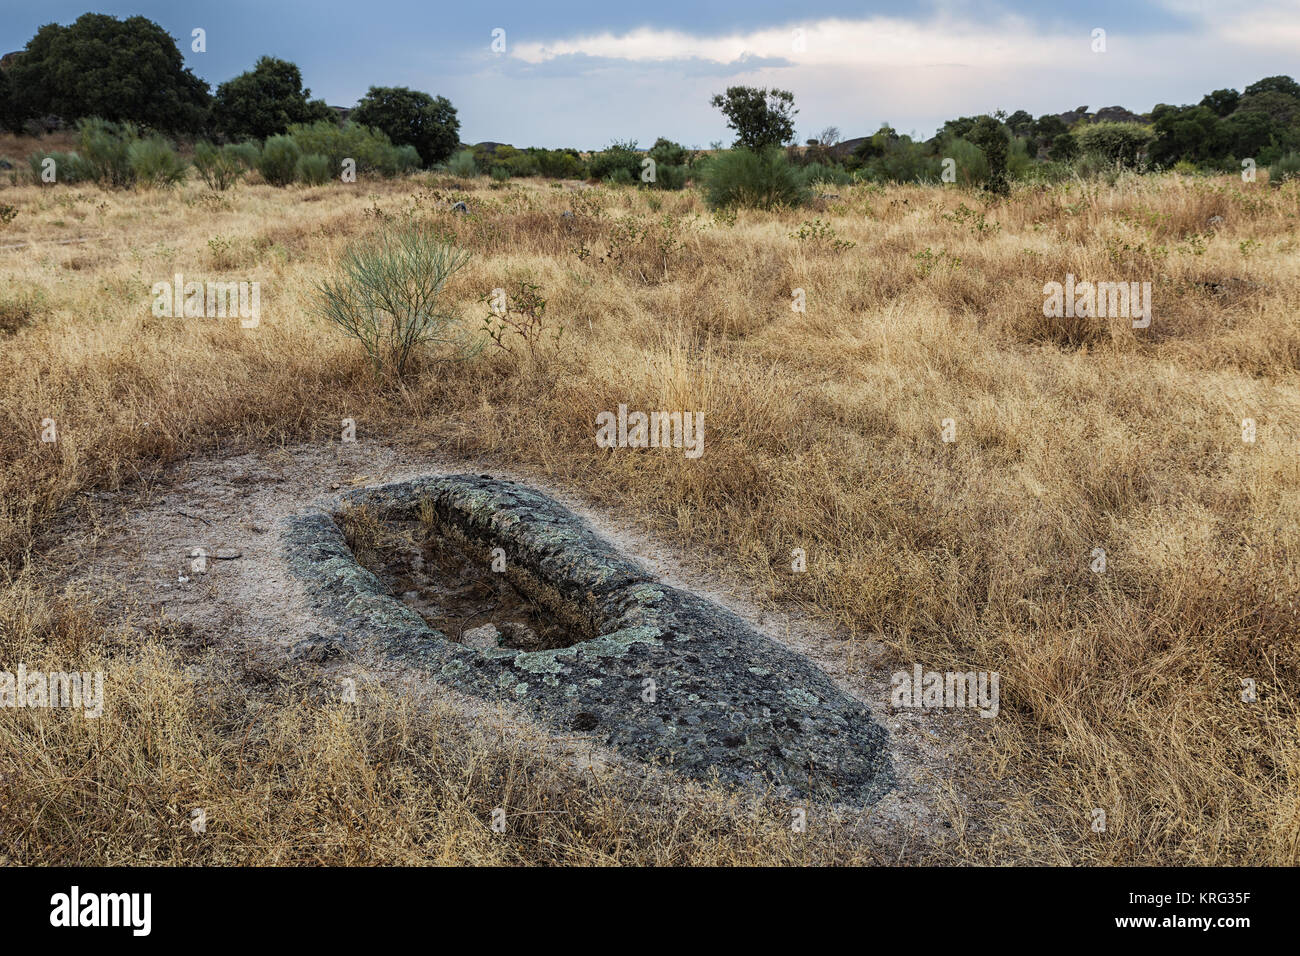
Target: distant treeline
x,y
129,78
131,72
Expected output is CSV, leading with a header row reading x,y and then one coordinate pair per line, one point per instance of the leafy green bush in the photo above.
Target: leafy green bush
x,y
669,177
105,150
667,153
889,158
820,174
406,158
1121,143
1064,147
559,163
313,169
462,164
991,138
1287,167
248,154
370,149
619,177
155,163
220,167
500,173
618,156
759,179
388,296
279,161
69,168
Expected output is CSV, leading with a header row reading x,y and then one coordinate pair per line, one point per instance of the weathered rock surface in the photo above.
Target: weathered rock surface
x,y
668,676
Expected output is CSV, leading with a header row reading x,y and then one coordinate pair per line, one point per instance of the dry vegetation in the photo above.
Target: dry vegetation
x,y
1119,691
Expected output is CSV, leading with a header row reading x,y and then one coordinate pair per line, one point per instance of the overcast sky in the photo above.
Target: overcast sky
x,y
583,74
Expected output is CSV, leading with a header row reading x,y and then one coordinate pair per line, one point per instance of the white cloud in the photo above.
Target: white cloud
x,y
877,42
855,73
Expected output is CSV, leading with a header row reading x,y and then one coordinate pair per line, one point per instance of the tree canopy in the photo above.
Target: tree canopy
x,y
265,101
760,117
102,66
412,118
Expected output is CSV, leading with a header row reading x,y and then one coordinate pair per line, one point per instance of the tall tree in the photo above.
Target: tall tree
x,y
411,118
1222,102
265,101
991,137
116,69
760,117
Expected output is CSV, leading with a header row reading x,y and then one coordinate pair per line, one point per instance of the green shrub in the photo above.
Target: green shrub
x,y
1286,167
667,153
220,167
387,296
669,177
819,174
991,137
105,150
559,163
69,168
407,158
619,177
889,158
313,169
1121,143
500,173
370,149
758,179
1065,147
154,162
619,156
462,164
248,154
279,161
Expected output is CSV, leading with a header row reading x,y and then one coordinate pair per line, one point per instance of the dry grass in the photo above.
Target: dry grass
x,y
1120,691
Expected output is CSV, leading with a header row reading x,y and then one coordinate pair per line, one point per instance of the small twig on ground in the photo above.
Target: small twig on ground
x,y
193,517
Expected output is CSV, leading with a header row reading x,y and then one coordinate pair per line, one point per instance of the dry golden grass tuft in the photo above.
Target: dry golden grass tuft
x,y
1120,691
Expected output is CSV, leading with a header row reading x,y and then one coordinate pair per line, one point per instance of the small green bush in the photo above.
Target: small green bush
x,y
819,175
105,149
313,169
220,167
1120,143
619,156
559,163
248,154
154,163
760,179
1286,167
387,296
279,161
462,164
368,148
500,173
69,168
406,158
1064,147
669,177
